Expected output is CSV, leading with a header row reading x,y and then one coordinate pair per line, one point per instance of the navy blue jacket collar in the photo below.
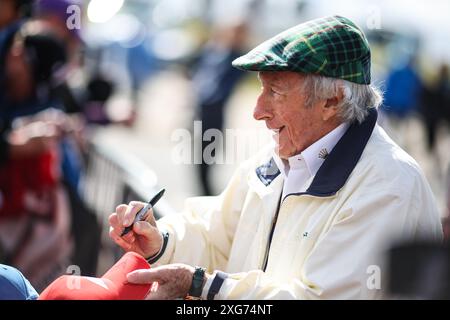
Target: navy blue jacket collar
x,y
338,165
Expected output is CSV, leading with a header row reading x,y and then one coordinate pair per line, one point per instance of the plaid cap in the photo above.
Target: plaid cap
x,y
330,46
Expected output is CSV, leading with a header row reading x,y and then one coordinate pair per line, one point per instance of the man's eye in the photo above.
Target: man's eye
x,y
275,92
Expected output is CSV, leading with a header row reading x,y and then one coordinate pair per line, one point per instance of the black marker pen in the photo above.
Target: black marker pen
x,y
140,216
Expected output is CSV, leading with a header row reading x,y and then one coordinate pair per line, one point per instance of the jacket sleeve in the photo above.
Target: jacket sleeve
x,y
347,260
203,233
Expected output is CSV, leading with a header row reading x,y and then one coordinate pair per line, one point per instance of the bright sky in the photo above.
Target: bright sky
x,y
428,18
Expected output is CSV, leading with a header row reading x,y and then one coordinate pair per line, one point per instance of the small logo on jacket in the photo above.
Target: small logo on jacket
x,y
323,154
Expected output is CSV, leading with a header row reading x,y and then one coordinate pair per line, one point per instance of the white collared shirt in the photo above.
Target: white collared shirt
x,y
299,170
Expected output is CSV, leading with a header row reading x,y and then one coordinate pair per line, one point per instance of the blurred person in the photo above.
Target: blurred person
x,y
54,15
308,217
435,113
11,20
436,105
34,212
42,62
403,84
99,90
402,97
214,81
27,65
31,63
142,65
56,18
33,69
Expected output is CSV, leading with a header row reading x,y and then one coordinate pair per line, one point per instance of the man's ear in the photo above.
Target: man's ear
x,y
331,107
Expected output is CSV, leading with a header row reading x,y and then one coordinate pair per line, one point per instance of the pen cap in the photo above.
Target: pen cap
x,y
112,286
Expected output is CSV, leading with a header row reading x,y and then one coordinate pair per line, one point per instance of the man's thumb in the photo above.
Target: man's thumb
x,y
140,277
143,228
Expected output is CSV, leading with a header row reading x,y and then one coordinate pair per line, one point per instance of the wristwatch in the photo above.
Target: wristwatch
x,y
197,282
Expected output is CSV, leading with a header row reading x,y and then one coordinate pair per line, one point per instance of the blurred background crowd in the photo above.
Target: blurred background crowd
x,y
91,93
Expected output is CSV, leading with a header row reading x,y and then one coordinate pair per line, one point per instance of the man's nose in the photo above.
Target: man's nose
x,y
261,111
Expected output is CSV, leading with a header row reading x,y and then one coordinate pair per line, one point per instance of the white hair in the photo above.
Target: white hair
x,y
357,99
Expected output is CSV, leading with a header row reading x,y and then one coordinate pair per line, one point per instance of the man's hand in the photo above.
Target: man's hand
x,y
32,140
32,147
145,238
174,280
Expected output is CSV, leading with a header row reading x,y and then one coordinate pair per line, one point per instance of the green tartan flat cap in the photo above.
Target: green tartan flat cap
x,y
330,46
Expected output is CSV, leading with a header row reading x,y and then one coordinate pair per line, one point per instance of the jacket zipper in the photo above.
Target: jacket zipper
x,y
274,222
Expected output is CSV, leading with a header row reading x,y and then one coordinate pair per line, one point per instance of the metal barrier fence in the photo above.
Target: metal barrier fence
x,y
113,178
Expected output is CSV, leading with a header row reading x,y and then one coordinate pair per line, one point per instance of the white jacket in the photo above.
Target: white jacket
x,y
328,242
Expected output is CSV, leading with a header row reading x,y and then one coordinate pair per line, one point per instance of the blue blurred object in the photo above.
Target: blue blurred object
x,y
215,78
403,89
142,63
72,163
14,286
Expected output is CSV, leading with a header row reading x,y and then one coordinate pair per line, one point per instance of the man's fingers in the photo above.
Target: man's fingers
x,y
129,237
119,240
150,218
120,212
145,229
142,276
114,221
159,294
131,212
115,226
117,229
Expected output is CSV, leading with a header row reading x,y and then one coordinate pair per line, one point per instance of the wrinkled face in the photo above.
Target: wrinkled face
x,y
282,105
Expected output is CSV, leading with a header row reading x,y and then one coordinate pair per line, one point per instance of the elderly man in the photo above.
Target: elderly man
x,y
311,217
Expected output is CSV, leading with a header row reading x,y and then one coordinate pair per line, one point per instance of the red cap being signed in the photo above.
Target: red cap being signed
x,y
113,285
